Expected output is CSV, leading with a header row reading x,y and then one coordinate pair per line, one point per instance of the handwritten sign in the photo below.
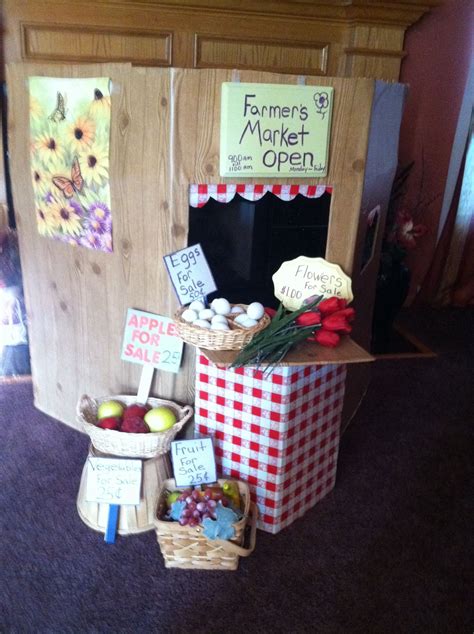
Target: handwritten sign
x,y
113,480
275,130
190,274
303,277
193,461
151,340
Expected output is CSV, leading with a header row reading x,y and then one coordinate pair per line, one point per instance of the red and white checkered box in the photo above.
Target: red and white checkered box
x,y
279,433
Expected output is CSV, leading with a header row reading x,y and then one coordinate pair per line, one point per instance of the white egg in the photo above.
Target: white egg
x,y
219,319
219,325
206,313
197,305
255,310
189,315
237,310
248,322
202,323
241,318
221,306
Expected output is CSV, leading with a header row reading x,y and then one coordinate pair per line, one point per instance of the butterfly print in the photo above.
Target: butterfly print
x,y
59,113
72,185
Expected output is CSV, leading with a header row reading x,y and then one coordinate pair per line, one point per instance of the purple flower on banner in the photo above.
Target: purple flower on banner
x,y
93,240
99,218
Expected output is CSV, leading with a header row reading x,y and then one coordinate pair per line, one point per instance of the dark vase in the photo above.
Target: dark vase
x,y
393,283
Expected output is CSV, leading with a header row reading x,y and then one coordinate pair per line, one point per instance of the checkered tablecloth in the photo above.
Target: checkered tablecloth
x,y
279,433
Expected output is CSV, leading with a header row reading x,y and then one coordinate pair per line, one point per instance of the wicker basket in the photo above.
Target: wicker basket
x,y
118,443
186,547
234,339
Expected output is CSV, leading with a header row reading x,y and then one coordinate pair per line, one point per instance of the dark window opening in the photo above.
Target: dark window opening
x,y
245,242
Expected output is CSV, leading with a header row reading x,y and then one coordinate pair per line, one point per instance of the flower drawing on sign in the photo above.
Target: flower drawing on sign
x,y
70,131
321,101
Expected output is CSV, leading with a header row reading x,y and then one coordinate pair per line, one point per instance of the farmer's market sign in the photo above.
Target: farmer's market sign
x,y
301,278
275,130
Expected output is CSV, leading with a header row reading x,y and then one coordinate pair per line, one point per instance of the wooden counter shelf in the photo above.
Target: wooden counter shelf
x,y
303,354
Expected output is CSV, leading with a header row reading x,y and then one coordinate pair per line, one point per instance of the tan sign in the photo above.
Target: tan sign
x,y
303,277
275,130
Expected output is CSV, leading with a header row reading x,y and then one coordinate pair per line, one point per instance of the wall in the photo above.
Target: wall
x,y
439,51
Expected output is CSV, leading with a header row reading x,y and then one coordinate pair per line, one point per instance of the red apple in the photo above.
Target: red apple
x,y
111,422
136,409
135,425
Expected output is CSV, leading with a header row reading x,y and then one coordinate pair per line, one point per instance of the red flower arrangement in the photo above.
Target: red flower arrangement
x,y
319,320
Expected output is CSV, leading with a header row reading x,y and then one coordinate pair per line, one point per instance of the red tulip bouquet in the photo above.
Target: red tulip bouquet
x,y
319,320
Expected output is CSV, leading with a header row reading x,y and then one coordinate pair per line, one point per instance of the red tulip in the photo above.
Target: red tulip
x,y
271,312
347,313
331,305
336,322
309,318
327,338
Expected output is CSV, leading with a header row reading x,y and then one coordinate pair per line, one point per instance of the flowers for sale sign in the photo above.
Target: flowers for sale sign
x,y
70,130
274,130
302,278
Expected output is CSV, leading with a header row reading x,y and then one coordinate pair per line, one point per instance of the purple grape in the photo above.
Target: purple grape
x,y
211,504
189,499
186,513
197,514
201,506
184,520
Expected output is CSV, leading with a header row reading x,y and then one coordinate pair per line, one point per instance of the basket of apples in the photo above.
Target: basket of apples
x,y
203,527
120,426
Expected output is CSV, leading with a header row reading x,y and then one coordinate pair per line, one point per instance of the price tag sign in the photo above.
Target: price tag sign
x,y
193,461
152,340
113,480
303,277
190,274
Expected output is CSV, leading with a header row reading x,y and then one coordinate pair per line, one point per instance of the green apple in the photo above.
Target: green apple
x,y
160,418
109,408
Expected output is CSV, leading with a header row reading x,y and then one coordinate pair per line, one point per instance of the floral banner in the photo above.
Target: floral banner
x,y
70,132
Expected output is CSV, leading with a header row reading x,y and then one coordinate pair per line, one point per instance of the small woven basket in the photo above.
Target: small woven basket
x,y
234,339
187,547
119,443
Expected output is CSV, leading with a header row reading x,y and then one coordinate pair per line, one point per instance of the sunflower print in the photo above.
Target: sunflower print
x,y
70,159
95,165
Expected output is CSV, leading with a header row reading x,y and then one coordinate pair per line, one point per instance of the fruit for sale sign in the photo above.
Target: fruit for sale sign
x,y
193,461
274,130
152,340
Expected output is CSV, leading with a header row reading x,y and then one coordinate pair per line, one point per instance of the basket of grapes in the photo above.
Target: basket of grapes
x,y
204,527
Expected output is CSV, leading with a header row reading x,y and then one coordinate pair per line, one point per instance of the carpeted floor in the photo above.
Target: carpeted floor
x,y
389,551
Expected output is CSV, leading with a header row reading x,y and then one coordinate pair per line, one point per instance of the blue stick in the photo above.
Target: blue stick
x,y
111,524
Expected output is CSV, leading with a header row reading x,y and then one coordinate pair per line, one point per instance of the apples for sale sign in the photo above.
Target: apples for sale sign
x,y
151,339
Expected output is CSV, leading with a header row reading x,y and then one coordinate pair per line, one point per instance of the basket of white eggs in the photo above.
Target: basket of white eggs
x,y
222,325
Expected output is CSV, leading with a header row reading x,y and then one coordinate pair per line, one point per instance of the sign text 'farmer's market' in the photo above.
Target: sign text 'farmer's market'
x,y
275,130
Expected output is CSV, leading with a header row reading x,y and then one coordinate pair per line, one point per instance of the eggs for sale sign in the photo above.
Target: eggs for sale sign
x,y
274,130
151,339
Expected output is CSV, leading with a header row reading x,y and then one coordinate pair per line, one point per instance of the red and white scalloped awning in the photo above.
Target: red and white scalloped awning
x,y
224,193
